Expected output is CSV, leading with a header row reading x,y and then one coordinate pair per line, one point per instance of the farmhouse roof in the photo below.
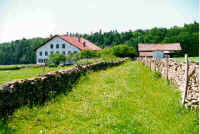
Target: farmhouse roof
x,y
78,42
159,47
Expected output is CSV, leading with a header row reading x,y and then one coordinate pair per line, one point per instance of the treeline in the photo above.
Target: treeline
x,y
19,51
22,51
187,36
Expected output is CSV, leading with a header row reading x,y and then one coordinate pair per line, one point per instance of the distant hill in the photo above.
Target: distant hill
x,y
22,51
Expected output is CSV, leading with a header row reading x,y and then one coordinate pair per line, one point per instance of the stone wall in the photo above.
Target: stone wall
x,y
176,74
38,90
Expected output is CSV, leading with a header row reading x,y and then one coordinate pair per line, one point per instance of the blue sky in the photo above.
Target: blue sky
x,y
40,18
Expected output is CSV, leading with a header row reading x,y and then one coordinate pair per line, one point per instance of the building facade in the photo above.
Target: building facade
x,y
62,44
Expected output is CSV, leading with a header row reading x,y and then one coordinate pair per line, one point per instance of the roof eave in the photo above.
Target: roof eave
x,y
45,42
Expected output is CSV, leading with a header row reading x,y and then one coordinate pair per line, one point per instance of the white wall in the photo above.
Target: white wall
x,y
47,48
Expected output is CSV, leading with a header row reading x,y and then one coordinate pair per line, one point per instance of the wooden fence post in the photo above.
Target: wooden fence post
x,y
167,67
154,68
155,64
145,61
150,63
43,68
186,79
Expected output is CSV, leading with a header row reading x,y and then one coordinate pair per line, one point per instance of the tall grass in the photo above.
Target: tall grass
x,y
128,99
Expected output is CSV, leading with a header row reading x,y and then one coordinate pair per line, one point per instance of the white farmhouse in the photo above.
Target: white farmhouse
x,y
62,44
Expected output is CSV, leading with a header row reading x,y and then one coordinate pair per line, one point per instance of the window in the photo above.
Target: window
x,y
75,52
51,46
57,52
63,45
57,45
69,52
45,60
40,60
46,53
63,52
51,52
41,53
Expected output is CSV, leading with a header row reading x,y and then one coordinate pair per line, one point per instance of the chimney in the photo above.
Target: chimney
x,y
79,39
51,35
84,44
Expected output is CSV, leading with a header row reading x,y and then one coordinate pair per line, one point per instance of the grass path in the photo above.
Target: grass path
x,y
128,99
24,73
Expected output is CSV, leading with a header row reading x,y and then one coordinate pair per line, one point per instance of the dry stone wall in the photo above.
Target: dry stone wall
x,y
176,74
38,90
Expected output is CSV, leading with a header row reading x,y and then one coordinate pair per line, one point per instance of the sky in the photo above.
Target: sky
x,y
40,18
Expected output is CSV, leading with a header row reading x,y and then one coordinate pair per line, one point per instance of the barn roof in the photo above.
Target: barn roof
x,y
82,45
159,47
145,54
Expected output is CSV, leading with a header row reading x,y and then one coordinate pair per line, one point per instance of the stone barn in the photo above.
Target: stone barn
x,y
147,50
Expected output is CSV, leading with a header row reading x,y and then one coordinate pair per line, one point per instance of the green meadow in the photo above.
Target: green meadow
x,y
24,73
127,99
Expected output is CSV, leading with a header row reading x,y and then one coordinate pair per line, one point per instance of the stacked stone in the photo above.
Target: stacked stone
x,y
192,99
176,74
40,89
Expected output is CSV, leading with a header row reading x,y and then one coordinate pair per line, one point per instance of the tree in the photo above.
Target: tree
x,y
88,54
124,51
73,57
56,59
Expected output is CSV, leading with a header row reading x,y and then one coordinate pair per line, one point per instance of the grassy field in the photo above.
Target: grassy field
x,y
16,67
128,99
13,72
24,73
10,67
182,59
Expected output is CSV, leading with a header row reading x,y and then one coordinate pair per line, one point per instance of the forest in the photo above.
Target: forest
x,y
22,51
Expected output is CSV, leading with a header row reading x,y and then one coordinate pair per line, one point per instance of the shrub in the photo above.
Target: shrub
x,y
88,54
106,52
86,61
124,51
51,65
56,59
82,56
73,57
